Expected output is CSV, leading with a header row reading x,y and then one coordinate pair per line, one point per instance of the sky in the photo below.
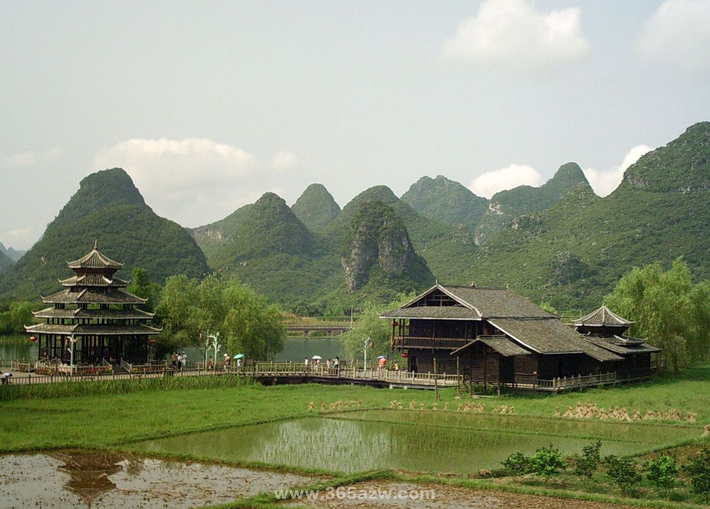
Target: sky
x,y
209,104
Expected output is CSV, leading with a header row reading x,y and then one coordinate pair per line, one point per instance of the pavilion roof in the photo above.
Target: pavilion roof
x,y
94,280
91,295
113,314
92,330
602,317
95,260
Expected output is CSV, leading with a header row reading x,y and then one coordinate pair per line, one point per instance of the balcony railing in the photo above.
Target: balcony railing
x,y
422,342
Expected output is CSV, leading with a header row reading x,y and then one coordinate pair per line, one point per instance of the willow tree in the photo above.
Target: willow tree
x,y
667,309
245,320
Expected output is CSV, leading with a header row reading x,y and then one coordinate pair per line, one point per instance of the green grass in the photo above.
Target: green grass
x,y
118,414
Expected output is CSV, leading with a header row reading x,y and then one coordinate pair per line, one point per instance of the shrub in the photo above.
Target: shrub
x,y
587,464
622,473
547,461
662,472
517,464
699,470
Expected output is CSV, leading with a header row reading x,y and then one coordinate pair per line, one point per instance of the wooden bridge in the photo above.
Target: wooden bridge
x,y
329,327
268,373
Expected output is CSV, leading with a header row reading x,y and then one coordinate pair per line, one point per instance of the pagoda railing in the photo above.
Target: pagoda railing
x,y
126,365
428,342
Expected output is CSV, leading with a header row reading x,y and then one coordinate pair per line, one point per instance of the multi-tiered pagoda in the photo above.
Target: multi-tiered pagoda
x,y
94,316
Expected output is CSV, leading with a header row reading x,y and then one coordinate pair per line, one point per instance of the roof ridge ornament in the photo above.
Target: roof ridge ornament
x,y
96,244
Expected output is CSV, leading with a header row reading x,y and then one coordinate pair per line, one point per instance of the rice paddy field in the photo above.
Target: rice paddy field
x,y
338,437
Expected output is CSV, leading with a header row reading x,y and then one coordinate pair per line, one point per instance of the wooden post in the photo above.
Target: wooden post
x,y
436,384
458,378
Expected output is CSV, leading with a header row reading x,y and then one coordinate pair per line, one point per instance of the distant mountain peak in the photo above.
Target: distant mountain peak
x,y
316,207
447,201
681,166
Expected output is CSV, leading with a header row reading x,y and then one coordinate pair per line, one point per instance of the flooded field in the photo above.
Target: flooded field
x,y
78,479
411,441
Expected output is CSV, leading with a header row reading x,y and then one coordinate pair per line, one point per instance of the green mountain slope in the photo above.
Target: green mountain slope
x,y
11,253
574,253
446,201
269,248
447,249
377,255
108,208
316,208
5,262
512,203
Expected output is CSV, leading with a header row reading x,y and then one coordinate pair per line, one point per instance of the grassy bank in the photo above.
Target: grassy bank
x,y
134,410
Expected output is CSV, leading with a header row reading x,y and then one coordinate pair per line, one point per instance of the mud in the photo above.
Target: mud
x,y
85,479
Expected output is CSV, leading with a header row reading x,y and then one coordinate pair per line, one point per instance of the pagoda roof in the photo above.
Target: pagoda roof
x,y
113,314
95,260
91,295
94,280
602,317
92,330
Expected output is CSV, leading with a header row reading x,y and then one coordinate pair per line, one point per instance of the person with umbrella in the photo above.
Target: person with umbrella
x,y
382,362
239,358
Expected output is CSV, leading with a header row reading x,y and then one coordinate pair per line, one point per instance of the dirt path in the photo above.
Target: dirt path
x,y
372,495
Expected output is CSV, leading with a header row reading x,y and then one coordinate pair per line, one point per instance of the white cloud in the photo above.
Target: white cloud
x,y
510,34
192,182
512,176
605,181
30,158
20,238
679,33
284,160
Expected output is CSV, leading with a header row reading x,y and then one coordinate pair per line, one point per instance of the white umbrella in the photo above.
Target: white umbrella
x,y
317,358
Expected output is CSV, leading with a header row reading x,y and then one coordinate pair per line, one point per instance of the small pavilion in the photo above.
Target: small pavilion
x,y
94,316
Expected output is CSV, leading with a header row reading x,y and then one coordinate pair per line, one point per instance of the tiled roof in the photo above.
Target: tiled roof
x,y
89,330
434,313
551,337
126,314
500,344
94,260
497,302
619,348
472,303
602,317
93,296
93,280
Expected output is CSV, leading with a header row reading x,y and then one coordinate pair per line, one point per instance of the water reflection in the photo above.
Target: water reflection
x,y
85,479
352,445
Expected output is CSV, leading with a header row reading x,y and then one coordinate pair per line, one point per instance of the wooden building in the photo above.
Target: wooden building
x,y
497,336
94,316
606,329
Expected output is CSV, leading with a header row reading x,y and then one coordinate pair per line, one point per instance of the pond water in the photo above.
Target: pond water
x,y
412,441
71,479
12,348
295,349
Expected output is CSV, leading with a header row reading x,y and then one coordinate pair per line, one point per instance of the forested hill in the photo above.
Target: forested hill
x,y
559,243
316,207
574,253
108,208
5,262
446,201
